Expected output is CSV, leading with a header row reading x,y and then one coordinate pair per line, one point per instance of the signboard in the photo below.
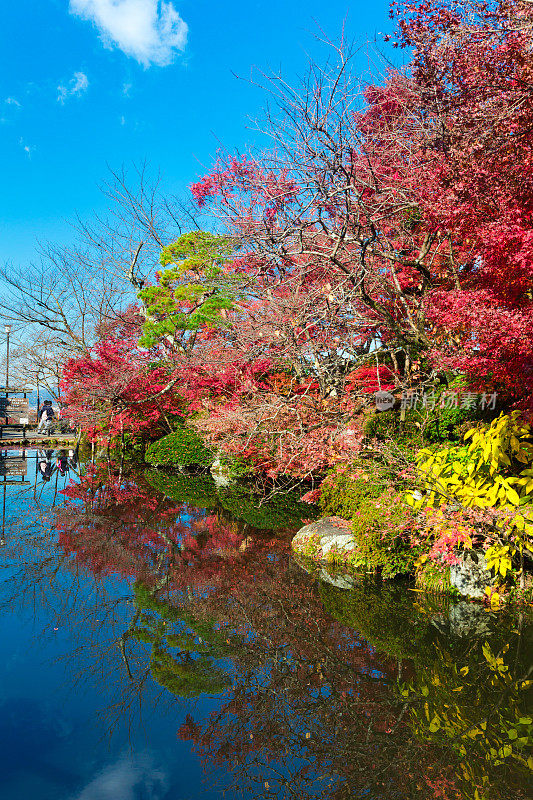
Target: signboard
x,y
14,404
15,410
13,466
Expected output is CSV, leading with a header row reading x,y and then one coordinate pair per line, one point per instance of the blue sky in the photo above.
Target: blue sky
x,y
89,83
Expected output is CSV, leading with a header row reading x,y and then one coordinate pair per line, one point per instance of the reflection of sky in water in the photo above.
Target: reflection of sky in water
x,y
59,680
127,779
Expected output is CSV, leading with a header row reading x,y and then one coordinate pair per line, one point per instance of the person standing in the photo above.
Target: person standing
x,y
47,414
62,464
45,465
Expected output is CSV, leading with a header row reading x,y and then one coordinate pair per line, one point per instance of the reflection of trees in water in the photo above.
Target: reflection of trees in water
x,y
471,689
128,529
308,708
475,695
312,712
183,648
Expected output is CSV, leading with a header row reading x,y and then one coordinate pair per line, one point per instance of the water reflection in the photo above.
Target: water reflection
x,y
186,611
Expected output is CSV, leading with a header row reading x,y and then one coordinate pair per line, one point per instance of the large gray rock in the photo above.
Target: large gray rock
x,y
337,575
471,576
340,580
329,539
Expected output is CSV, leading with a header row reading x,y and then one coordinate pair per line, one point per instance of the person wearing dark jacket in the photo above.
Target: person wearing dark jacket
x,y
46,415
45,465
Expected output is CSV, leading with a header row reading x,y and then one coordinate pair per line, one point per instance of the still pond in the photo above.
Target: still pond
x,y
160,641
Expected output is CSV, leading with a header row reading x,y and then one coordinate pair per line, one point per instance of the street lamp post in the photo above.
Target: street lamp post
x,y
7,329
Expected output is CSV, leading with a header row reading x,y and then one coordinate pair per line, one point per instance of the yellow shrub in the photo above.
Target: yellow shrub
x,y
492,469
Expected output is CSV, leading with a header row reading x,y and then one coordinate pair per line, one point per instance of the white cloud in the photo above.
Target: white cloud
x,y
12,102
77,85
151,31
28,149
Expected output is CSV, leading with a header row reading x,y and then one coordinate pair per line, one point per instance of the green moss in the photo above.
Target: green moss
x,y
342,494
183,447
364,495
197,490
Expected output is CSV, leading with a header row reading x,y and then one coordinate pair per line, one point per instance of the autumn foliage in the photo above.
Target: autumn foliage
x,y
384,242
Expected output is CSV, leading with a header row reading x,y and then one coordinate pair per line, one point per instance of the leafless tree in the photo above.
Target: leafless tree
x,y
61,303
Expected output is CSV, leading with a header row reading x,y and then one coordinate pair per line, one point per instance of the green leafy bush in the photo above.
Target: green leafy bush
x,y
342,492
183,447
378,515
235,468
378,527
433,577
382,424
